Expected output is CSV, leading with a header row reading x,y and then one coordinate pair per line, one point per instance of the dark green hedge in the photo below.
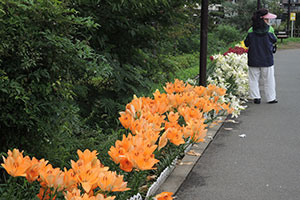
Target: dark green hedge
x,y
43,62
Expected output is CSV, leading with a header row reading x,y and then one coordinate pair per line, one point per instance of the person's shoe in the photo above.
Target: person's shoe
x,y
256,101
274,101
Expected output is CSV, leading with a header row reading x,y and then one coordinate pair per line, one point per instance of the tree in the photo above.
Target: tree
x,y
239,14
135,36
43,60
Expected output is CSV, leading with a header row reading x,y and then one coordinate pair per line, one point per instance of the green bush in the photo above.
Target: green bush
x,y
43,61
17,188
189,44
135,36
227,33
185,65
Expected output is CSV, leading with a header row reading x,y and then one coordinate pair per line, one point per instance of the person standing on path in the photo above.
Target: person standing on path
x,y
260,41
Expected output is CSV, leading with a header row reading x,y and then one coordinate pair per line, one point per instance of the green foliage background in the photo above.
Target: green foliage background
x,y
43,60
68,67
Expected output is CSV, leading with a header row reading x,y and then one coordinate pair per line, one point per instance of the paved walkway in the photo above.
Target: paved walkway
x,y
265,165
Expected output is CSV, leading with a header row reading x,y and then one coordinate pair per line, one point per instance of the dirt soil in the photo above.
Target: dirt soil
x,y
290,45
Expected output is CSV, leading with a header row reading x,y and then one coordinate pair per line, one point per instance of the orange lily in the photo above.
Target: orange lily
x,y
190,113
70,179
227,108
175,136
179,98
173,117
149,132
221,91
88,156
125,164
86,175
15,164
51,178
76,196
162,107
164,196
135,107
72,194
163,140
199,103
160,97
188,87
200,91
137,125
172,100
169,88
188,97
179,85
142,157
32,172
145,162
120,148
110,181
45,194
196,129
126,119
116,153
208,106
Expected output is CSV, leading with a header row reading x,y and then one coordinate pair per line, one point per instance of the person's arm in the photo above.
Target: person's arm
x,y
246,41
273,37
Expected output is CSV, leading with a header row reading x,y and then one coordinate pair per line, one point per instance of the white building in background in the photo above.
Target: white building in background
x,y
295,5
215,7
211,7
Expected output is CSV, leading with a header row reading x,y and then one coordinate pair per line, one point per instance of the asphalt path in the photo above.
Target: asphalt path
x,y
263,165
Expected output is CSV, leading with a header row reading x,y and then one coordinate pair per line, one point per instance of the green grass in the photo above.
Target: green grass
x,y
288,40
188,64
292,39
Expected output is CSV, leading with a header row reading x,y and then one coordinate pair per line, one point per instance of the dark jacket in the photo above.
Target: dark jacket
x,y
260,43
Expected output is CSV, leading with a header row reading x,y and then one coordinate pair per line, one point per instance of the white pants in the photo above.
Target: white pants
x,y
268,80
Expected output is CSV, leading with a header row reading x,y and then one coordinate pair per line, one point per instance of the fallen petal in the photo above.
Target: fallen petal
x,y
185,163
232,121
193,153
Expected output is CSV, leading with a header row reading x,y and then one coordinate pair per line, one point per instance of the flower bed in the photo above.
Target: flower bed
x,y
231,73
159,128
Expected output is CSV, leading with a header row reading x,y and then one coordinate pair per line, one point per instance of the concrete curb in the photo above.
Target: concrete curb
x,y
182,170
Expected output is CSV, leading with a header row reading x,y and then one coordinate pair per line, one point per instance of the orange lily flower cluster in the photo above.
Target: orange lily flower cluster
x,y
155,122
164,196
135,152
177,116
87,172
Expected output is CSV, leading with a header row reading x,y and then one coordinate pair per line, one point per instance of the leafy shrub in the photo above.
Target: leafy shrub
x,y
214,44
189,44
227,33
43,60
239,14
135,37
187,65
